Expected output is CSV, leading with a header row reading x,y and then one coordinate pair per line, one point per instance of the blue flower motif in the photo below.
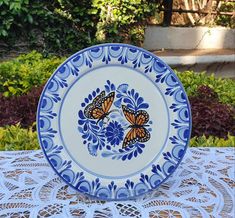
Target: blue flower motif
x,y
114,133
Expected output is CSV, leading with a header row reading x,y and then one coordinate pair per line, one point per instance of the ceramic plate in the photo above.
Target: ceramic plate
x,y
114,121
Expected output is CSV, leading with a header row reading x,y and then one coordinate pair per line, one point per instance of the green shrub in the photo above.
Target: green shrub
x,y
212,141
67,26
19,75
10,11
15,138
225,88
45,24
123,21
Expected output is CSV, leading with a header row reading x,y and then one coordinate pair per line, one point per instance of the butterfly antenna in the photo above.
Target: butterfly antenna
x,y
126,127
98,121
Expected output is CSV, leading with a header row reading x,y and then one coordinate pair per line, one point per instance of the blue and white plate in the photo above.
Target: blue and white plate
x,y
114,121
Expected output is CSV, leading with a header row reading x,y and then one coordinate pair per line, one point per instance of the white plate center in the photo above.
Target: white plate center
x,y
73,140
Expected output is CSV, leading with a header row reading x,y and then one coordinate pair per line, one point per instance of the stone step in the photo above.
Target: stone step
x,y
221,62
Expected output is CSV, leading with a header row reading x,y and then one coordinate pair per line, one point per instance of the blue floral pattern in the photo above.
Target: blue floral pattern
x,y
95,135
101,136
114,133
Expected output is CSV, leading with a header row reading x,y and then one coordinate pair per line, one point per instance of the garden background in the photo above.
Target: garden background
x,y
37,36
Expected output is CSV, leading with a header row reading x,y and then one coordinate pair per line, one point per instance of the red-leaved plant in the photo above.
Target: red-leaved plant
x,y
19,109
210,117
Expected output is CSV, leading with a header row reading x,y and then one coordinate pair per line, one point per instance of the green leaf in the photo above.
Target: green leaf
x,y
3,33
30,18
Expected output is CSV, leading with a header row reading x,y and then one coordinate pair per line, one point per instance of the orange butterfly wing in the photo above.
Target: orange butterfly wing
x,y
140,134
129,114
98,98
142,117
99,106
91,107
143,134
130,138
96,113
107,102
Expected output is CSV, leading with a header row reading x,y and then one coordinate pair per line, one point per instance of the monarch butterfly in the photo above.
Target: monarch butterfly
x,y
138,121
99,108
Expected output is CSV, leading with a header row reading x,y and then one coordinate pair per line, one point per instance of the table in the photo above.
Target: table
x,y
202,186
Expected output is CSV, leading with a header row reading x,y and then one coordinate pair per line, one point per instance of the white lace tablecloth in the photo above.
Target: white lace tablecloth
x,y
202,186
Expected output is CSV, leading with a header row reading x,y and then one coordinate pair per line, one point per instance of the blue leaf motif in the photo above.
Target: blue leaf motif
x,y
118,103
122,88
119,95
80,129
136,95
143,106
115,48
106,154
92,148
107,88
112,87
140,100
132,92
127,101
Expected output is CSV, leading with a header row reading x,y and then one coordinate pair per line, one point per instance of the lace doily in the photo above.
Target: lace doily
x,y
202,186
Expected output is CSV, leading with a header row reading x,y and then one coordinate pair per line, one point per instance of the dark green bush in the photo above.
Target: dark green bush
x,y
67,26
45,25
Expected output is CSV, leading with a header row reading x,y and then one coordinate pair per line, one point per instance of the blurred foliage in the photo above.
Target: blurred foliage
x,y
19,75
45,25
225,88
223,20
66,26
15,138
212,141
123,21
